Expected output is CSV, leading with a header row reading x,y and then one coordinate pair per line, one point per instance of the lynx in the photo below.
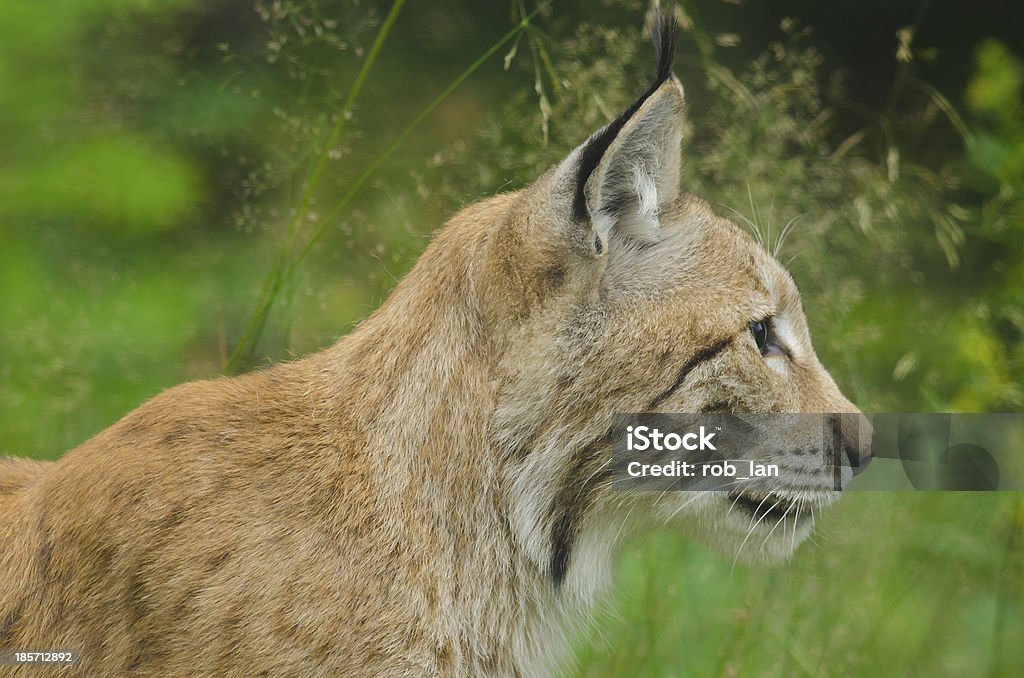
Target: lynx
x,y
430,495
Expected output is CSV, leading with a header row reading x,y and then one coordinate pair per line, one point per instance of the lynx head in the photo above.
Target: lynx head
x,y
606,289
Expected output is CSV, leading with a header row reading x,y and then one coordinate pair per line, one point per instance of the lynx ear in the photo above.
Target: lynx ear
x,y
630,169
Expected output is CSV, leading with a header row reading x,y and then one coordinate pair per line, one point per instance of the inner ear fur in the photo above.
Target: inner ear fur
x,y
639,171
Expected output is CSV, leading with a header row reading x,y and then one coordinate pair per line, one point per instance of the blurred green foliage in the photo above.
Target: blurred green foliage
x,y
66,157
997,149
155,172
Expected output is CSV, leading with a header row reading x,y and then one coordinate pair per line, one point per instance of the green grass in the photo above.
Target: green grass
x,y
894,584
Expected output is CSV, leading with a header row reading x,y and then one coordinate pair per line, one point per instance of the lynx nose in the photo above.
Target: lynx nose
x,y
854,436
859,460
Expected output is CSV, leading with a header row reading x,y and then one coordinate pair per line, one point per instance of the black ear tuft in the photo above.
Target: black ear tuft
x,y
663,30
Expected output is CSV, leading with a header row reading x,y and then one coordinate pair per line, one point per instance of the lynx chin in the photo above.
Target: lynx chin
x,y
430,495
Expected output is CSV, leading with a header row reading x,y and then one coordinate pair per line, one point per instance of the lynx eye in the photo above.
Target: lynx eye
x,y
759,329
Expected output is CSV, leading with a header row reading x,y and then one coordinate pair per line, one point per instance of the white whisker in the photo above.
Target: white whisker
x,y
752,528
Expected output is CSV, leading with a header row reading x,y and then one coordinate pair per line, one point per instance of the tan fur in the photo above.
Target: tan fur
x,y
394,504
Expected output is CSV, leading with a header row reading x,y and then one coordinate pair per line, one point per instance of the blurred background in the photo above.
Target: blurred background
x,y
194,188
